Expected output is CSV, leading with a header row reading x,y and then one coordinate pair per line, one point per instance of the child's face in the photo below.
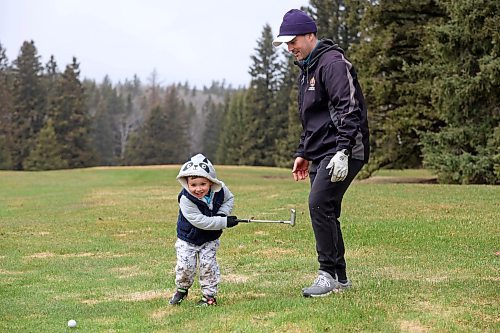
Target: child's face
x,y
198,186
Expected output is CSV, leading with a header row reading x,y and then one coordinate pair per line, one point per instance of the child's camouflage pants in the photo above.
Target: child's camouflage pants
x,y
189,256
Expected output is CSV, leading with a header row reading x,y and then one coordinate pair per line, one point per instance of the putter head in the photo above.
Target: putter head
x,y
292,217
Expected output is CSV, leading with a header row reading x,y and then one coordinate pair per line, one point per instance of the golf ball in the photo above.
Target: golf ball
x,y
72,323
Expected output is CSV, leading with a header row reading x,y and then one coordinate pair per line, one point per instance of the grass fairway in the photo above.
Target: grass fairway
x,y
97,246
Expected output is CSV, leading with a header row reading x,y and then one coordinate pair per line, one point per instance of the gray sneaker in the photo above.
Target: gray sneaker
x,y
344,286
324,285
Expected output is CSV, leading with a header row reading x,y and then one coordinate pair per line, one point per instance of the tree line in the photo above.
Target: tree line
x,y
429,69
51,119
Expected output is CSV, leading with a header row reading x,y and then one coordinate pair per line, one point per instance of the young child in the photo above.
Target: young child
x,y
205,203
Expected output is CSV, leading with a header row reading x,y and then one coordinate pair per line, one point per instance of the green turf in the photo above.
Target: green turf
x,y
96,245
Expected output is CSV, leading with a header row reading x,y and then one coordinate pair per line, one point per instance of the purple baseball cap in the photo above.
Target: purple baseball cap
x,y
295,22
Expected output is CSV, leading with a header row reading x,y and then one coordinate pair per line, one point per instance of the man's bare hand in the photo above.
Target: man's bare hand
x,y
300,169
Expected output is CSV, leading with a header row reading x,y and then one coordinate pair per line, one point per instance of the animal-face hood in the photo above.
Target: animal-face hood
x,y
200,166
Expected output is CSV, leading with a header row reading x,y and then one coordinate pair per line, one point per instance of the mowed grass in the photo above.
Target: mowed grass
x,y
97,245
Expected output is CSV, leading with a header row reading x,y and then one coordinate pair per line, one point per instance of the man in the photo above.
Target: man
x,y
334,142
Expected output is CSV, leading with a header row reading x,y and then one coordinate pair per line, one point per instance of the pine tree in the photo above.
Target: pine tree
x,y
213,126
399,105
50,81
465,92
47,154
6,109
163,138
233,130
287,108
105,125
29,103
144,147
154,91
92,95
194,121
258,146
180,116
47,151
338,20
125,125
129,120
71,119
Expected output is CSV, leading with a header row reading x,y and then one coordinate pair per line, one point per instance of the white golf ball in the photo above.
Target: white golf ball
x,y
72,323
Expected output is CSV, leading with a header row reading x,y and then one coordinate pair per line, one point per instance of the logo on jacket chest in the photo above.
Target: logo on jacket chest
x,y
312,84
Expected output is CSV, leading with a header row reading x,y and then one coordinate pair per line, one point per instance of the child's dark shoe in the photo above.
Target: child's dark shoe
x,y
207,301
179,296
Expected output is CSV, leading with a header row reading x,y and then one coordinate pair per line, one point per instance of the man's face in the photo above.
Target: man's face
x,y
301,46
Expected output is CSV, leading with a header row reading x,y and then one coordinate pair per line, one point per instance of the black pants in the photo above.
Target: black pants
x,y
325,200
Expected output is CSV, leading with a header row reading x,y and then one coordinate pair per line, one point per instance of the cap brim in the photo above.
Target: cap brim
x,y
282,39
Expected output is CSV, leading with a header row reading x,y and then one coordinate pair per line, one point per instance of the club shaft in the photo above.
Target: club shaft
x,y
290,222
265,221
269,221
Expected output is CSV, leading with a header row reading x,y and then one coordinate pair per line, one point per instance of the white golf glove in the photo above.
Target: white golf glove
x,y
338,167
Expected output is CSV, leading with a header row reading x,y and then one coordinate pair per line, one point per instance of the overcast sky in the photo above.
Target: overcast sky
x,y
192,40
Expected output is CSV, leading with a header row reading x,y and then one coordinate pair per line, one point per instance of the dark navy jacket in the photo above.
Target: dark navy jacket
x,y
191,234
331,106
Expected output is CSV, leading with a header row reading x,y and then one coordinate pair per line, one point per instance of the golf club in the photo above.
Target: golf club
x,y
290,222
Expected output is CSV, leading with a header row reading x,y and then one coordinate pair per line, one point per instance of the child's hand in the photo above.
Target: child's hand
x,y
232,221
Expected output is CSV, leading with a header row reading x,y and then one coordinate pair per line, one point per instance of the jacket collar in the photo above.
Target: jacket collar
x,y
323,45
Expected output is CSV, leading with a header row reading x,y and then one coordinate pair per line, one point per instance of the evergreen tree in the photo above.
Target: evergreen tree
x,y
466,93
287,110
338,20
213,127
50,82
288,138
71,120
129,120
92,96
180,121
51,77
6,109
143,148
154,91
194,122
106,123
5,159
162,139
29,98
133,149
233,130
258,146
117,108
125,125
48,153
399,105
